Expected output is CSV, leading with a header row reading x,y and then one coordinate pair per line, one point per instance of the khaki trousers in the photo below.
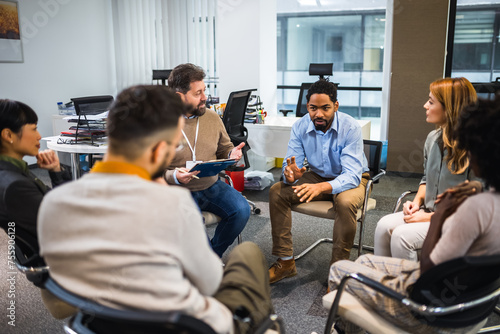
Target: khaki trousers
x,y
347,203
245,285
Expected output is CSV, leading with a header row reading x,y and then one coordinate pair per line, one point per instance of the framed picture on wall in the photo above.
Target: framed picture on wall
x,y
11,49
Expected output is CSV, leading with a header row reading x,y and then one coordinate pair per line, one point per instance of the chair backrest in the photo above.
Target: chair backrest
x,y
233,119
457,281
96,318
301,109
373,153
161,75
92,105
27,258
234,115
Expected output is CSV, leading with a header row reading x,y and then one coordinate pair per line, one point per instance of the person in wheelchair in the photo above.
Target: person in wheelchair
x,y
465,223
124,241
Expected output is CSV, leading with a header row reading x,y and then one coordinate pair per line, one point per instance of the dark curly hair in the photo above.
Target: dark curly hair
x,y
323,86
476,132
182,75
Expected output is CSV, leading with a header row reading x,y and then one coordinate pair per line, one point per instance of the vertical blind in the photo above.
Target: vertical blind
x,y
160,34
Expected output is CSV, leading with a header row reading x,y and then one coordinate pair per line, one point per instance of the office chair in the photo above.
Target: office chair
x,y
326,209
314,69
27,259
233,119
301,108
161,75
94,318
434,299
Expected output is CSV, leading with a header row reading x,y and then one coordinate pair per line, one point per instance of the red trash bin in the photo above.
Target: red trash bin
x,y
238,179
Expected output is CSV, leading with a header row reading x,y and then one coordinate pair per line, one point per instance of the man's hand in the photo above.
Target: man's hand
x,y
236,152
410,208
463,189
49,160
292,171
418,217
184,176
307,191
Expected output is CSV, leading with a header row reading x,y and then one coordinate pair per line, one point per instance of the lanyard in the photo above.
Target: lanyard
x,y
193,148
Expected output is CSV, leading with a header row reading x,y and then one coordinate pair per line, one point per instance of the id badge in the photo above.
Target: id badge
x,y
190,164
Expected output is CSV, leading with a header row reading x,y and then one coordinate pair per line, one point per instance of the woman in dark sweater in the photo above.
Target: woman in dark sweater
x,y
21,192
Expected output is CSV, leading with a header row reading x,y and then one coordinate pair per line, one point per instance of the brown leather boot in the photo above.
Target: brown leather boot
x,y
282,269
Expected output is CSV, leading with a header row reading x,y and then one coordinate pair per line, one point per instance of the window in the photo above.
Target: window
x,y
476,54
333,32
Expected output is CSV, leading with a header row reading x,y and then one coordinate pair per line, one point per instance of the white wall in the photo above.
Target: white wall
x,y
67,46
246,47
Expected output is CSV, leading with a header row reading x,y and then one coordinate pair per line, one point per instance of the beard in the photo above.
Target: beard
x,y
160,172
200,110
323,125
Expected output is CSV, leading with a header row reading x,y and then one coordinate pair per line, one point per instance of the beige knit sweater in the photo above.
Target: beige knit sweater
x,y
213,143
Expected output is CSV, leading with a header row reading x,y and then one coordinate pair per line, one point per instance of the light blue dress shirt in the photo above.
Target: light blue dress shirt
x,y
338,153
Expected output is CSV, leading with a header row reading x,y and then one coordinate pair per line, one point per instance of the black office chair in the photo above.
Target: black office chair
x,y
233,119
161,75
455,294
301,108
27,259
314,69
94,318
326,209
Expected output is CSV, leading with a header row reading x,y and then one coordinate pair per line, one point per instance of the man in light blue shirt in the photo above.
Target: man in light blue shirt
x,y
331,142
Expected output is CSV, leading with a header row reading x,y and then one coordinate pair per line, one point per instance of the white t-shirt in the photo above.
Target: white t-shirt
x,y
473,230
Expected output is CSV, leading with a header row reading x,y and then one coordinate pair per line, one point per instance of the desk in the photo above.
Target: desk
x,y
75,150
271,139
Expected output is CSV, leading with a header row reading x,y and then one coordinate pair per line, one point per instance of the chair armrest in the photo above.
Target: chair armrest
x,y
265,326
379,287
381,173
401,198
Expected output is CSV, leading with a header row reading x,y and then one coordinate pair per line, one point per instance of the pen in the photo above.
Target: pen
x,y
183,171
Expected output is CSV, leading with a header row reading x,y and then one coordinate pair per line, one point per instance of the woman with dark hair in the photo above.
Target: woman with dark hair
x,y
446,165
21,191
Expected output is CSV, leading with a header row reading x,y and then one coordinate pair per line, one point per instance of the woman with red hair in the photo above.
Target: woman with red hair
x,y
446,165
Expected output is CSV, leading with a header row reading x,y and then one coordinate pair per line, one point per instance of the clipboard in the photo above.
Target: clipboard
x,y
213,167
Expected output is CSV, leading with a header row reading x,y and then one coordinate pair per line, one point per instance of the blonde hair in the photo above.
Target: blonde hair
x,y
454,94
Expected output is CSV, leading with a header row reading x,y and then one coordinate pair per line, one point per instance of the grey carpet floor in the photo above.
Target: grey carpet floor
x,y
297,300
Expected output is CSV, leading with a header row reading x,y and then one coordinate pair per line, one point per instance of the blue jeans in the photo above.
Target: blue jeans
x,y
233,209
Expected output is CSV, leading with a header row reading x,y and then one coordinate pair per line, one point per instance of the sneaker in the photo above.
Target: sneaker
x,y
282,269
